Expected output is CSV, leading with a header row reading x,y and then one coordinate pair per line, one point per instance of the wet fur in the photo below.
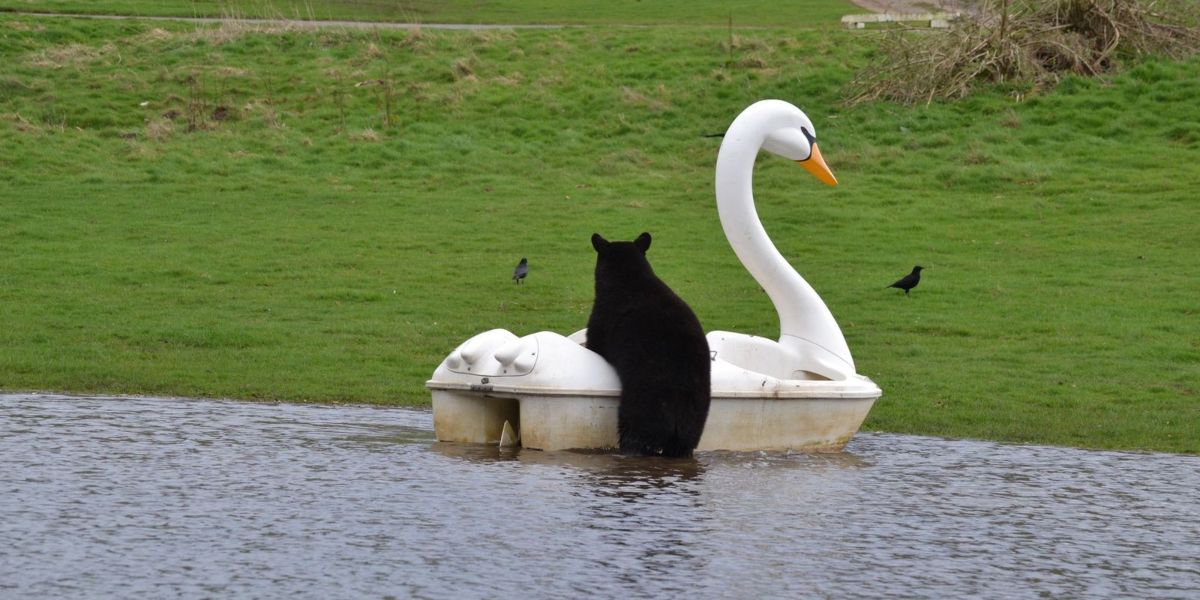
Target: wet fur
x,y
657,346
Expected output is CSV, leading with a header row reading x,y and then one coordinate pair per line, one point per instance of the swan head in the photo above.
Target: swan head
x,y
778,127
797,141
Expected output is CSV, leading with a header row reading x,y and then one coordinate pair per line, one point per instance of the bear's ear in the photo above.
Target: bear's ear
x,y
598,242
642,242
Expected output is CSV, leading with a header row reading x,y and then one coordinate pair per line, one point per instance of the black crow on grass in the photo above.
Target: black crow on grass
x,y
521,271
909,281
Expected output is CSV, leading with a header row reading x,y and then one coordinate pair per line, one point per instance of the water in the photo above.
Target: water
x,y
187,498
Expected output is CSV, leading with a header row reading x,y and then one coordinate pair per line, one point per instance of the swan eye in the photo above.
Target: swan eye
x,y
812,141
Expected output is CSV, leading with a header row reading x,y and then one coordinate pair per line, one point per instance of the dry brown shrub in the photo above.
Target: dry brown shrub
x,y
416,39
20,123
23,26
366,135
271,118
159,129
635,98
1030,42
452,95
738,42
516,78
154,35
487,37
57,57
753,61
372,51
227,71
233,30
419,91
462,69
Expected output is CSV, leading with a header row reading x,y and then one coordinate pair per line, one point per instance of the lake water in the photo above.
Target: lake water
x,y
124,497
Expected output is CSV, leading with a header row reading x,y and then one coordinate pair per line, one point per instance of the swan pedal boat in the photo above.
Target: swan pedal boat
x,y
801,392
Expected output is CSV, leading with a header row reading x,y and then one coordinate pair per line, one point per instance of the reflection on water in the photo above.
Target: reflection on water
x,y
169,497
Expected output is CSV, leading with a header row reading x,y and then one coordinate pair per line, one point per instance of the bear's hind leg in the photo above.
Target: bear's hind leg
x,y
677,448
635,441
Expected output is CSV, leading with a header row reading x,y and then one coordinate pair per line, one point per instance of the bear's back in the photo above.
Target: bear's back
x,y
655,342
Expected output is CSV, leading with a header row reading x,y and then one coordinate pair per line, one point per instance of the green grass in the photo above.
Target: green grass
x,y
269,213
791,13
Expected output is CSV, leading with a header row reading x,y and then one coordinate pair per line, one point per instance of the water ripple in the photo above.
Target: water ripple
x,y
118,497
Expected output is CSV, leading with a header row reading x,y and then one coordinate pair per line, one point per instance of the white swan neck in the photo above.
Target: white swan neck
x,y
805,323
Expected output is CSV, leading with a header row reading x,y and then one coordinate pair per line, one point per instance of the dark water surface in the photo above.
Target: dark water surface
x,y
103,497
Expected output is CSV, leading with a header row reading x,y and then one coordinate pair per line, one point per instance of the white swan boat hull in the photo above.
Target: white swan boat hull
x,y
559,395
801,392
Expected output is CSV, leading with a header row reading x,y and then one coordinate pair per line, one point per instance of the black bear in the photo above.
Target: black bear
x,y
655,343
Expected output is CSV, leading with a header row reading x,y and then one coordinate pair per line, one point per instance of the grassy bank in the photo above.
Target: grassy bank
x,y
790,13
265,213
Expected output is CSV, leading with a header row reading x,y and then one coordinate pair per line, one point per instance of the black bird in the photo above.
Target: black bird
x,y
521,271
909,281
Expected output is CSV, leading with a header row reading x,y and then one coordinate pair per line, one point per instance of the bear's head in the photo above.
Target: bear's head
x,y
621,258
